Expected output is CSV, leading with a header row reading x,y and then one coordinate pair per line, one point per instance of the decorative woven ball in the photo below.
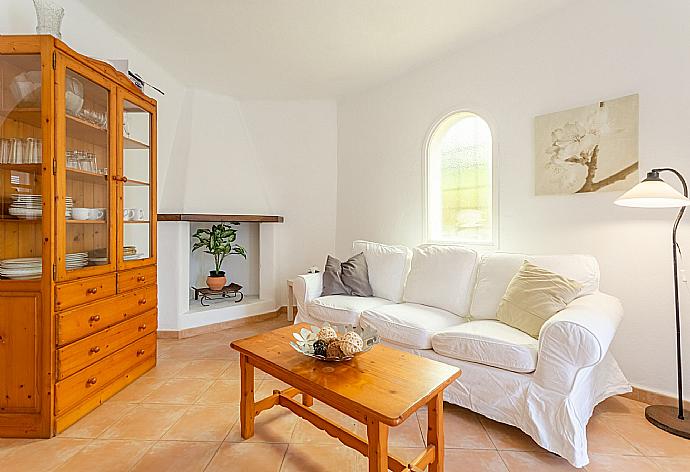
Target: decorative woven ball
x,y
351,343
333,350
320,347
327,334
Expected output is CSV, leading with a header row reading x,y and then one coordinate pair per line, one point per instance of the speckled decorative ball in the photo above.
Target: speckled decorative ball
x,y
351,343
320,347
333,350
327,334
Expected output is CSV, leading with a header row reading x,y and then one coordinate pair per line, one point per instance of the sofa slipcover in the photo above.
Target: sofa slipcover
x,y
343,309
388,268
495,271
489,342
441,276
409,324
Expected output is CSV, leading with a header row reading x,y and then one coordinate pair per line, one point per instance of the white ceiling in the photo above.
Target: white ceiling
x,y
292,49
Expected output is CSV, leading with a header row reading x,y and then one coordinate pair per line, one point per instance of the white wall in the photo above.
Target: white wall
x,y
264,157
589,51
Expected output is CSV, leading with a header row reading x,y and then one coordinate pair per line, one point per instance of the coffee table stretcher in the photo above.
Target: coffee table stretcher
x,y
375,447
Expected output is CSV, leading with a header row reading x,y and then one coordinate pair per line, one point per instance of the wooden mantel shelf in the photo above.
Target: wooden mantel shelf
x,y
198,217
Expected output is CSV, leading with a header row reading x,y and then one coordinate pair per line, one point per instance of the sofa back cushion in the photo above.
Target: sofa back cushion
x,y
495,271
388,268
441,276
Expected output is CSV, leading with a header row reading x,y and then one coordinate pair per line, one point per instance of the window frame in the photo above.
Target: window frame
x,y
492,244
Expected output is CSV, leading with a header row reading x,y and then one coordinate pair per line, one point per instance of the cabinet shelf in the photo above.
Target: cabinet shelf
x,y
86,222
14,219
137,222
86,176
21,167
136,183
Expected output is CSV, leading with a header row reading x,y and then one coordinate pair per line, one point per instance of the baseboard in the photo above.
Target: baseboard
x,y
653,398
190,332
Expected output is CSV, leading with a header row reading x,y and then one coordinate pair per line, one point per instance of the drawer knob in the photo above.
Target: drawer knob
x,y
92,381
92,290
140,352
142,301
142,327
95,318
141,278
95,350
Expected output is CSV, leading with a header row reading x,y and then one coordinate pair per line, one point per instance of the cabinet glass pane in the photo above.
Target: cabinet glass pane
x,y
136,157
86,173
21,204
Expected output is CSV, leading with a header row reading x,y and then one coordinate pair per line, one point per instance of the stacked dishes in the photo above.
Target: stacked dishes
x,y
76,260
98,256
25,268
26,206
29,207
130,253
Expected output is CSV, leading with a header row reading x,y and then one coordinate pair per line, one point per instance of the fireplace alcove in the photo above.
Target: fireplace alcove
x,y
179,270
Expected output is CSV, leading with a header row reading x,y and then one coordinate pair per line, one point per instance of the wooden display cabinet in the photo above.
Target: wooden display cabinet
x,y
78,297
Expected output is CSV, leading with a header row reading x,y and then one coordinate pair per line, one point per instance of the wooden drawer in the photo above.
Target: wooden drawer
x,y
135,278
74,357
90,380
88,319
83,291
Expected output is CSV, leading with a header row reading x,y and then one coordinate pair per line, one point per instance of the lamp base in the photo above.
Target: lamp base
x,y
666,418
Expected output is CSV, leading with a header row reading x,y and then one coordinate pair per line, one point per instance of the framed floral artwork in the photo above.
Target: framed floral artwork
x,y
588,149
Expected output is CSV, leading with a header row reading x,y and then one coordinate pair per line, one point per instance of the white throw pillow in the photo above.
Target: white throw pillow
x,y
388,268
441,276
495,271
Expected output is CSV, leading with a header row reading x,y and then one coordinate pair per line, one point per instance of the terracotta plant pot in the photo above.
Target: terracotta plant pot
x,y
216,281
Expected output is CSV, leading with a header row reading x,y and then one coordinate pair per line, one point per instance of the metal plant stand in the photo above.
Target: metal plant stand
x,y
205,295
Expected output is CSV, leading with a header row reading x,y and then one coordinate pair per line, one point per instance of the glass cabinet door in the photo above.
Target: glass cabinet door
x,y
136,176
21,156
85,110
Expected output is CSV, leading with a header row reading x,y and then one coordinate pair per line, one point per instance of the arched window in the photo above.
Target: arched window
x,y
459,177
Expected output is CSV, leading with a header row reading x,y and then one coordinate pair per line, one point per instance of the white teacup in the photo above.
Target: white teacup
x,y
81,213
128,214
97,213
138,214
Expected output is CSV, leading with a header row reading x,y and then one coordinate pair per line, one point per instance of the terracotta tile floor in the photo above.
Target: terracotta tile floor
x,y
183,416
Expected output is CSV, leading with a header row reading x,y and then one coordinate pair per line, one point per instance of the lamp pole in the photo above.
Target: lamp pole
x,y
675,287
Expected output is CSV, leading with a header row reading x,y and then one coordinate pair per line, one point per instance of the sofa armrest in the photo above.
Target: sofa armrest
x,y
576,338
307,287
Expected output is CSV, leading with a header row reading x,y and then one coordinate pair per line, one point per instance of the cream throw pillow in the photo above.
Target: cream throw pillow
x,y
533,296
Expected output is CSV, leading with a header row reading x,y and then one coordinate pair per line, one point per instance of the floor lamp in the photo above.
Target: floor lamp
x,y
653,192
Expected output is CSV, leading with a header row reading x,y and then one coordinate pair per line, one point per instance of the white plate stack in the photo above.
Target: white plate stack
x,y
30,207
130,254
25,268
68,207
76,260
26,207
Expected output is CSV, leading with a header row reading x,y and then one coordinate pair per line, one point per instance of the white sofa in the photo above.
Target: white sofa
x,y
440,302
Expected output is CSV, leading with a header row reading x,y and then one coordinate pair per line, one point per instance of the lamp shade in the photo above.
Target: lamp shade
x,y
652,194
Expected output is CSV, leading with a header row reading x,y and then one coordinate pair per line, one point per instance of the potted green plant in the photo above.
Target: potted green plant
x,y
219,242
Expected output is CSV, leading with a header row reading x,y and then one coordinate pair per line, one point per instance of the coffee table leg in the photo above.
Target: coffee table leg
x,y
434,434
307,400
247,397
377,435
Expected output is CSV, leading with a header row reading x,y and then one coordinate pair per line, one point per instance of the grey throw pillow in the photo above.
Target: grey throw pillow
x,y
347,278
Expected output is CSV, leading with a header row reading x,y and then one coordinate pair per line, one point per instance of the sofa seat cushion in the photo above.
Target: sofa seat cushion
x,y
343,309
489,342
409,324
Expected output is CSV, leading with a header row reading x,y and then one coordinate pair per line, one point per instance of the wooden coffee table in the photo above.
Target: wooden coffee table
x,y
380,388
